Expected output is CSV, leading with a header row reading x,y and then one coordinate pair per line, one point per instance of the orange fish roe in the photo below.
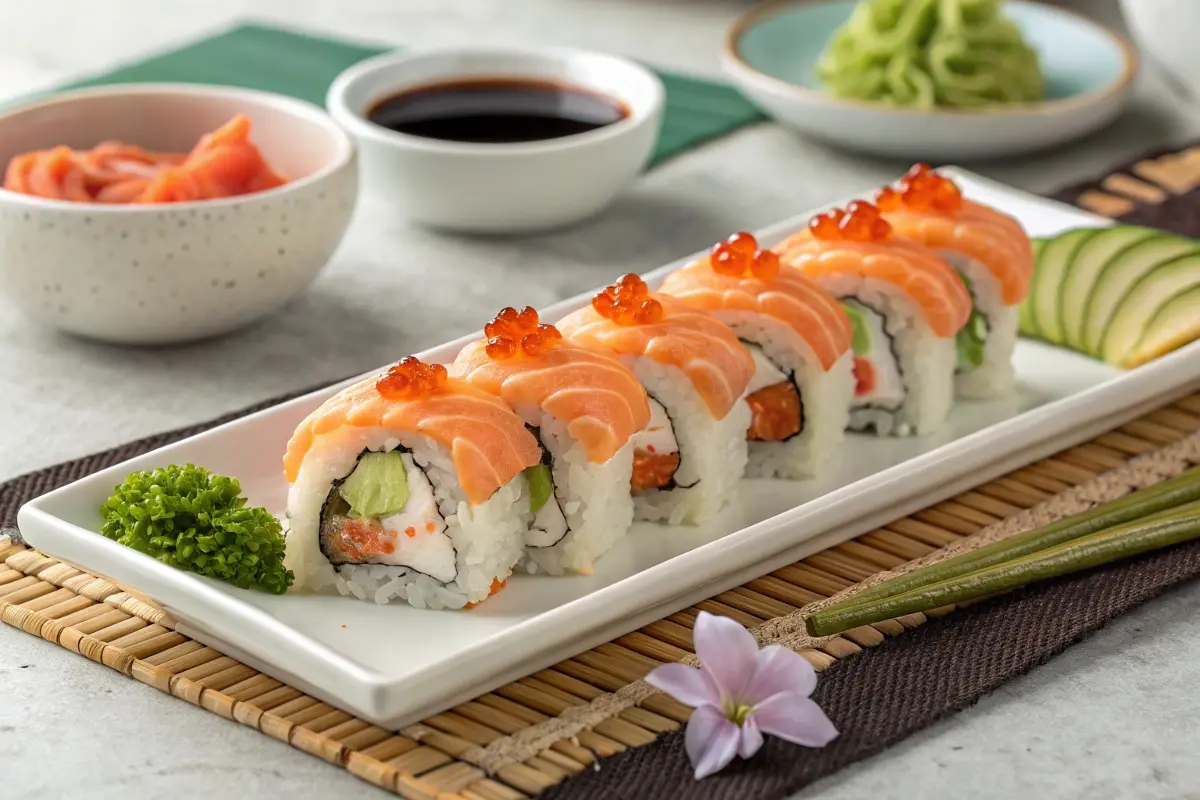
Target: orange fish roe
x,y
410,379
652,470
740,257
513,333
775,413
497,585
364,538
921,189
628,302
858,222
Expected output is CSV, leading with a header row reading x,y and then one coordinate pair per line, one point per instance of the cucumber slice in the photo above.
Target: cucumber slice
x,y
540,486
378,486
1047,279
1025,312
1175,324
1141,303
1117,279
1088,262
861,341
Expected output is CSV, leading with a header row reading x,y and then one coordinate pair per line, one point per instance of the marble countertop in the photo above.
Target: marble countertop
x,y
1111,718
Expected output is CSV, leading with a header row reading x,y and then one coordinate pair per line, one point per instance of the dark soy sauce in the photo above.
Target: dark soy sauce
x,y
496,110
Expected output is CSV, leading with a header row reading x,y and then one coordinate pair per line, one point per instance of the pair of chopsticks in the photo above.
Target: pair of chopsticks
x,y
1150,519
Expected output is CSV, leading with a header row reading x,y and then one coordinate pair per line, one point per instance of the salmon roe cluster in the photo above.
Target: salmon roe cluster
x,y
739,257
628,302
411,378
921,189
513,333
858,222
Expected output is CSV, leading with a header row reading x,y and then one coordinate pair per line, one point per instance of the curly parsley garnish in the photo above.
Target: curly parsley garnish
x,y
196,521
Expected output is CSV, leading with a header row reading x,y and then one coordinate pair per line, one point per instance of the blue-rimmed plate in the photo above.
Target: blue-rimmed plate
x,y
772,51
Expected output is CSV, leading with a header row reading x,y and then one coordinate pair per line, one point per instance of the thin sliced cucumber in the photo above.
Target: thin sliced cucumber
x,y
1047,278
1085,266
1143,301
1173,325
1119,277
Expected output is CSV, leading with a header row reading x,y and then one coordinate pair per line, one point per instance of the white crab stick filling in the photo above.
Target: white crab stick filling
x,y
549,525
766,373
658,437
420,531
888,390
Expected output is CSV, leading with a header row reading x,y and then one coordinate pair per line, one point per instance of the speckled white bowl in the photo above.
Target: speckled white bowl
x,y
162,274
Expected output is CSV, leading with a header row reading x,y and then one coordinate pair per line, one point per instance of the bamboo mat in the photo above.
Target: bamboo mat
x,y
109,625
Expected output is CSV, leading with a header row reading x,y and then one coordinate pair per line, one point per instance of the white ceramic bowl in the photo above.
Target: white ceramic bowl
x,y
1168,32
499,188
772,51
160,274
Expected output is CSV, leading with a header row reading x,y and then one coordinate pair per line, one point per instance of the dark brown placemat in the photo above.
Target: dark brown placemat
x,y
1159,189
887,693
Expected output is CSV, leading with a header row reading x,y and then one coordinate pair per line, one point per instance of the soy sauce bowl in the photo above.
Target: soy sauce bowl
x,y
499,188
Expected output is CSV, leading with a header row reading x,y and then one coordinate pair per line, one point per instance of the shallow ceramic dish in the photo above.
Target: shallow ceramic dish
x,y
771,53
160,274
394,664
499,188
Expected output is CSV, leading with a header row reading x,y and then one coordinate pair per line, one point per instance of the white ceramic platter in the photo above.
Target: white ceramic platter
x,y
394,665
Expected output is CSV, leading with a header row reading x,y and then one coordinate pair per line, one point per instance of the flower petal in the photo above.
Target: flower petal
x,y
689,685
711,740
727,651
752,738
795,718
779,669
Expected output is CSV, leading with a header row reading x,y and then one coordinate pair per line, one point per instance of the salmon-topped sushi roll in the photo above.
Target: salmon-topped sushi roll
x,y
689,459
906,304
584,406
992,253
799,336
409,485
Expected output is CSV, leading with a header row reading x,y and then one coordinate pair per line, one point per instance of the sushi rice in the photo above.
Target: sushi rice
x,y
591,504
824,397
712,452
923,362
486,539
995,375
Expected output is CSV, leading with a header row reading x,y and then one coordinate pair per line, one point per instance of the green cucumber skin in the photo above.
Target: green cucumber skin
x,y
1146,257
1047,279
1080,275
1185,305
1163,530
1025,323
1163,496
1126,313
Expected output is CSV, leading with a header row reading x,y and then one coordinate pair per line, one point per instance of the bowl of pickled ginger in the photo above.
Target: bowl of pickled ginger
x,y
164,213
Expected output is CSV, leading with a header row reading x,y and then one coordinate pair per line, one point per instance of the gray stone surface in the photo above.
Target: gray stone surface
x,y
1111,718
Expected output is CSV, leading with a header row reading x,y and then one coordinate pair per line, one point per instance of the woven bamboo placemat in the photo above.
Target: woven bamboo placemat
x,y
103,622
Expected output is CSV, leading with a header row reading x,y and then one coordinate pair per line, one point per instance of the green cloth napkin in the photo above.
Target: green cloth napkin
x,y
302,65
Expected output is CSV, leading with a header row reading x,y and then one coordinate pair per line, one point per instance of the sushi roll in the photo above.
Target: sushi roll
x,y
584,407
689,459
409,486
906,305
799,336
992,253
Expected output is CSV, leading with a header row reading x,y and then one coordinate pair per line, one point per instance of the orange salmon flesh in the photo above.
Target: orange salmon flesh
x,y
775,413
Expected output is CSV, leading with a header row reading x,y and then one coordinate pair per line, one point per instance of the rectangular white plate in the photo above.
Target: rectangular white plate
x,y
394,665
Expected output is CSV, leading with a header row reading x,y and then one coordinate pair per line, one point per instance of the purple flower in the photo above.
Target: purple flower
x,y
740,693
